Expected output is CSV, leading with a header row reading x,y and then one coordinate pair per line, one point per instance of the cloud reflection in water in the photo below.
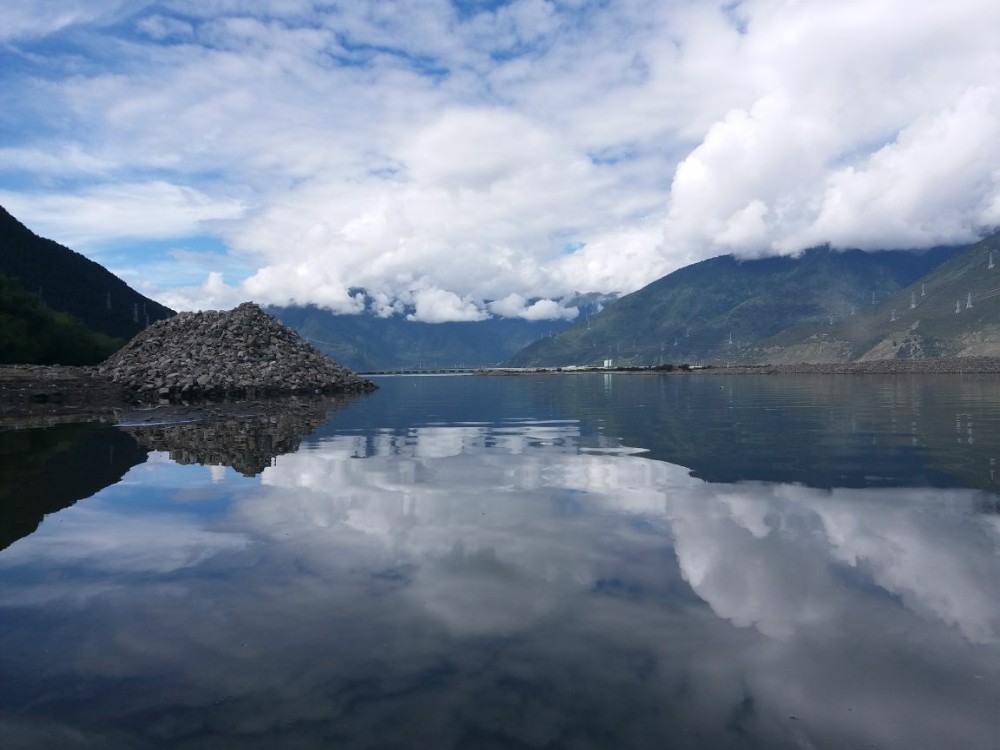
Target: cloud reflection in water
x,y
508,585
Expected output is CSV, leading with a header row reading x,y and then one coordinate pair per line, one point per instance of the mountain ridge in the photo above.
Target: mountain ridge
x,y
68,282
726,310
954,310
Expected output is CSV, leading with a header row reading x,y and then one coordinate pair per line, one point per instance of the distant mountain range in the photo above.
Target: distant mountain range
x,y
68,282
821,306
365,342
58,307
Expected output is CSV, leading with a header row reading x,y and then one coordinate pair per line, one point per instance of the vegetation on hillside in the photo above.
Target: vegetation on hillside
x,y
723,309
68,282
953,310
33,334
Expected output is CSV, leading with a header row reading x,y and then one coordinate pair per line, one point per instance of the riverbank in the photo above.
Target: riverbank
x,y
928,366
36,391
40,395
198,362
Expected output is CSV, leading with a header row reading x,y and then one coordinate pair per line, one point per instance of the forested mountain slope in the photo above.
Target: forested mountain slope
x,y
726,309
68,282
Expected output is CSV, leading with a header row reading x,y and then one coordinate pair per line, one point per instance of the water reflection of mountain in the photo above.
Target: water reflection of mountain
x,y
248,443
820,431
46,470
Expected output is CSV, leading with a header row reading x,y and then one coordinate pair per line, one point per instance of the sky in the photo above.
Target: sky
x,y
462,159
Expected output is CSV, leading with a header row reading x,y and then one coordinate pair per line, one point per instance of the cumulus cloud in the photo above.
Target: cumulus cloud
x,y
516,306
481,154
934,183
438,306
213,294
864,141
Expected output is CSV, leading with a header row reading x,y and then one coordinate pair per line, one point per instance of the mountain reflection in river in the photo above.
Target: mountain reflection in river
x,y
46,470
527,576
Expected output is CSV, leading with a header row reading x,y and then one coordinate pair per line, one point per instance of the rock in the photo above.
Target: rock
x,y
227,354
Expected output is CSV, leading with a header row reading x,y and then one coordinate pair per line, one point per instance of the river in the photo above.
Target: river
x,y
552,561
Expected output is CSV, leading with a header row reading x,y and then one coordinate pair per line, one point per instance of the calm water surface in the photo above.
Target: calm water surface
x,y
581,561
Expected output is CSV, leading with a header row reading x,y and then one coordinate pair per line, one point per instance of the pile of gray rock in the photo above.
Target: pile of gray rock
x,y
240,353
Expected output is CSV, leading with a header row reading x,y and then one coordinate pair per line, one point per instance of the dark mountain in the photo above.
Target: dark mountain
x,y
365,342
952,311
724,309
68,282
33,334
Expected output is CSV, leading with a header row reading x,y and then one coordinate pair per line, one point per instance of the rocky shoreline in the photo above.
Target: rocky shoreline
x,y
38,396
32,394
241,356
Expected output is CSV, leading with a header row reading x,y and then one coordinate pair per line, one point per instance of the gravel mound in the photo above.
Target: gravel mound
x,y
240,353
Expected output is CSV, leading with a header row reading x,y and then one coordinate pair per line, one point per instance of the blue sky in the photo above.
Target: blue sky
x,y
464,158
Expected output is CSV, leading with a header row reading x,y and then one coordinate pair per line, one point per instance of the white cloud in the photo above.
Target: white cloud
x,y
516,306
213,294
385,145
66,160
164,27
624,259
933,184
41,17
863,140
438,306
547,309
475,149
510,306
116,211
